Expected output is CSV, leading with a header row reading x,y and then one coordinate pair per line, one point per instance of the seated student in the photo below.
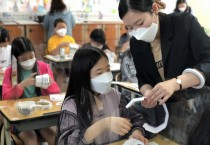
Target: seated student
x,y
59,39
5,56
201,133
128,70
127,67
93,112
182,6
98,40
5,49
27,68
5,53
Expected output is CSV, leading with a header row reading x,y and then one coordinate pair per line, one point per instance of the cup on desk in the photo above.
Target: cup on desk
x,y
62,53
42,81
26,107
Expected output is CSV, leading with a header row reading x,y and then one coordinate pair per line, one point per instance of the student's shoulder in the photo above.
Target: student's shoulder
x,y
53,37
69,104
70,38
113,92
42,64
9,47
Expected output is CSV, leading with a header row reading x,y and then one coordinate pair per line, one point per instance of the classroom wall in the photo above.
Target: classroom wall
x,y
200,8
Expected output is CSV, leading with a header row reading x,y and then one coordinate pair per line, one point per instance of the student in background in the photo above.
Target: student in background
x,y
5,53
127,67
59,39
128,71
98,40
5,49
182,6
93,112
58,10
27,68
201,133
5,57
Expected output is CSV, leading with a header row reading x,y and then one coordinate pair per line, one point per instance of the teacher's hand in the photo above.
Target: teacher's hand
x,y
163,91
146,103
160,93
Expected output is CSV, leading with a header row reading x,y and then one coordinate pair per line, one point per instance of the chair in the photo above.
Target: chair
x,y
14,138
118,77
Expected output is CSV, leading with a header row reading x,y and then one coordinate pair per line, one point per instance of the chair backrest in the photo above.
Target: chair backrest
x,y
118,77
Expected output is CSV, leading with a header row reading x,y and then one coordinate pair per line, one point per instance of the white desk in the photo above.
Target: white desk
x,y
115,67
131,87
57,59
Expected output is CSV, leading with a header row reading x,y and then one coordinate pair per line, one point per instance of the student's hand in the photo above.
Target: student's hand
x,y
64,44
160,93
28,81
137,134
118,125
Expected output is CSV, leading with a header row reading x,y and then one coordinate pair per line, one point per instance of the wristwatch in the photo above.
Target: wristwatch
x,y
179,82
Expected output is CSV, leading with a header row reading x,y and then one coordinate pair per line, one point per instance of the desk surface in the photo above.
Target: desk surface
x,y
115,67
159,139
57,58
9,111
128,85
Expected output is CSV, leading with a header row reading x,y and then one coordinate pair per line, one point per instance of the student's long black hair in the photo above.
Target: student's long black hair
x,y
21,45
134,5
4,35
201,133
79,82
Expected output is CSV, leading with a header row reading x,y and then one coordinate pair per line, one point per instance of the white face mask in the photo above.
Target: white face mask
x,y
182,9
28,64
145,34
61,32
102,83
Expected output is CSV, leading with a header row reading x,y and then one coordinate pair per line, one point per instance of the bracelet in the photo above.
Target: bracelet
x,y
197,74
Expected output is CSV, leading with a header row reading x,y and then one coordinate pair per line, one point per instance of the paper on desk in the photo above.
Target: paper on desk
x,y
160,127
133,141
153,143
130,85
72,45
57,97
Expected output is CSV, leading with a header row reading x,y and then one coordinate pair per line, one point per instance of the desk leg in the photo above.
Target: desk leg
x,y
7,132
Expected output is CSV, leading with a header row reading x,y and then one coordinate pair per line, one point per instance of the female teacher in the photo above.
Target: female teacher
x,y
171,52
